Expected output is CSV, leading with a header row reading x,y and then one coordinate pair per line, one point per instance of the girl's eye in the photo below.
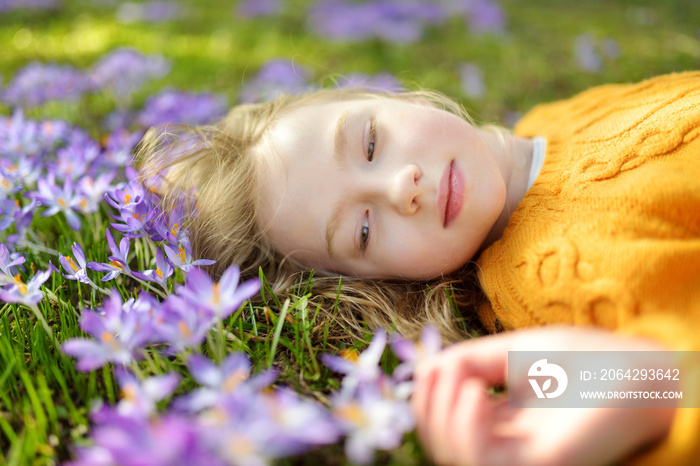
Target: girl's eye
x,y
370,143
364,234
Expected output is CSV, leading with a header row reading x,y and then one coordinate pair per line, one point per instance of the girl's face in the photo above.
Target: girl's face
x,y
379,188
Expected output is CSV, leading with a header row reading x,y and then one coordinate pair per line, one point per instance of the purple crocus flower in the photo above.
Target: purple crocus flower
x,y
139,398
167,440
277,76
124,71
58,199
38,83
119,262
411,354
92,191
135,217
160,274
24,170
28,294
219,382
126,195
73,272
359,369
10,181
180,325
371,422
119,147
170,230
485,16
299,423
23,219
472,79
220,298
586,55
8,208
7,262
256,8
79,156
182,256
72,161
258,428
154,11
8,5
54,132
391,20
121,330
171,106
20,137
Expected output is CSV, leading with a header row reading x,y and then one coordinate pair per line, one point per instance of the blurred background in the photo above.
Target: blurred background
x,y
115,68
498,57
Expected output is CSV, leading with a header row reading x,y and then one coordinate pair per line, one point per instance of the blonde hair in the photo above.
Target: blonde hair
x,y
217,166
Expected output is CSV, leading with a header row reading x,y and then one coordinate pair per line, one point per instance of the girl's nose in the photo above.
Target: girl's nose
x,y
403,189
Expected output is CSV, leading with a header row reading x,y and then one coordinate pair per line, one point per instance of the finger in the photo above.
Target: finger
x,y
479,421
471,409
424,387
485,358
445,392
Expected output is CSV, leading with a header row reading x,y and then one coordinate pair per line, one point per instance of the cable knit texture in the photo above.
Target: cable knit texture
x,y
609,234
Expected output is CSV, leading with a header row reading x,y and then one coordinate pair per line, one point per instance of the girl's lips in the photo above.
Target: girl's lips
x,y
450,194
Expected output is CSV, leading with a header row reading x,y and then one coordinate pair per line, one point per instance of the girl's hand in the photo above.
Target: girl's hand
x,y
460,423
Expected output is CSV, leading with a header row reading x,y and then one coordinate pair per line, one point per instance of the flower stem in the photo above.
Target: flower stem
x,y
45,324
147,285
99,288
40,248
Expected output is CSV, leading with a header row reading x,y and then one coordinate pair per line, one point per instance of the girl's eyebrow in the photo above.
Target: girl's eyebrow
x,y
332,226
340,140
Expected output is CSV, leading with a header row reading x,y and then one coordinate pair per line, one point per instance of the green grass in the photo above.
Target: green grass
x,y
44,402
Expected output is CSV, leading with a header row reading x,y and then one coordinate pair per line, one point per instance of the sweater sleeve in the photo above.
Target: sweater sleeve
x,y
609,234
679,332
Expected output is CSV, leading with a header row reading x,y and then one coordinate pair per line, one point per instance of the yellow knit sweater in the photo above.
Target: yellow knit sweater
x,y
609,234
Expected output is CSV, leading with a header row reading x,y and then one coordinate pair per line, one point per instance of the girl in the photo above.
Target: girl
x,y
588,215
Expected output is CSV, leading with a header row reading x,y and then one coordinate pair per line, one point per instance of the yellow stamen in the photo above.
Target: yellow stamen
x,y
107,337
83,203
20,284
216,299
160,274
240,446
61,202
184,329
5,184
17,202
234,380
350,354
174,229
117,264
129,392
127,198
352,413
72,264
181,255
